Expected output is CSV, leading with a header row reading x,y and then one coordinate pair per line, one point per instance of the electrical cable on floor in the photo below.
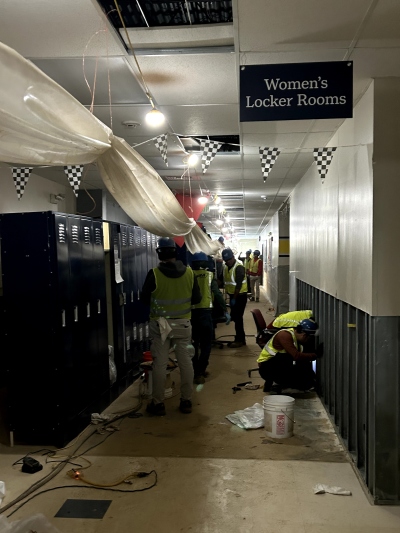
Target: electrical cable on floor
x,y
63,463
91,488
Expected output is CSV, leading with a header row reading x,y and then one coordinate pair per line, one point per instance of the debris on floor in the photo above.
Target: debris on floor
x,y
322,489
35,523
249,418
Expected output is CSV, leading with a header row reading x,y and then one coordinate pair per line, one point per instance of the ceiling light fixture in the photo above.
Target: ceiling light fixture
x,y
203,200
192,160
155,117
219,222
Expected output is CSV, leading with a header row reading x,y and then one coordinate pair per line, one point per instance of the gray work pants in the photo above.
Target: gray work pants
x,y
181,337
255,286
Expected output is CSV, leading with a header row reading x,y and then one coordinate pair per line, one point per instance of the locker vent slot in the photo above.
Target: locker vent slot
x,y
97,236
131,239
86,234
61,233
74,234
124,238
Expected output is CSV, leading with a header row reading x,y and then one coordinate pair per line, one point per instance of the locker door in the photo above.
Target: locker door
x,y
78,290
99,304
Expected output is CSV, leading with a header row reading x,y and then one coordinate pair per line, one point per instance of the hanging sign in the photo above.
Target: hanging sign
x,y
296,91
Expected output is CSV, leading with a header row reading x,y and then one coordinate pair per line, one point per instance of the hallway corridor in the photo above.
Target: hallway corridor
x,y
211,476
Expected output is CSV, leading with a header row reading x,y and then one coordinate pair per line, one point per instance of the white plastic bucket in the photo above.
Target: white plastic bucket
x,y
278,416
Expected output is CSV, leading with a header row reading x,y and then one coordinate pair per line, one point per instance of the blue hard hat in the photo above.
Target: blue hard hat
x,y
248,252
221,239
309,326
227,254
256,252
199,256
165,242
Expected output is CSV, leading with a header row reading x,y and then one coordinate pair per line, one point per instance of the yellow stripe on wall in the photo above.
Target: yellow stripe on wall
x,y
284,246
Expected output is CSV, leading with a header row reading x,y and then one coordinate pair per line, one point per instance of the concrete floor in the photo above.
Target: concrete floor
x,y
212,477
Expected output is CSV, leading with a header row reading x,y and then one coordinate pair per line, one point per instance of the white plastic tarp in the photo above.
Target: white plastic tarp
x,y
42,124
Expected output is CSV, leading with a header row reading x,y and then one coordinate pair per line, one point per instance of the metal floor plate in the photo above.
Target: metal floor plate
x,y
83,509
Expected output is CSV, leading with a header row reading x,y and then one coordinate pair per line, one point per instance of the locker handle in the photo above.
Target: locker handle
x,y
75,313
124,297
131,296
63,324
98,306
88,310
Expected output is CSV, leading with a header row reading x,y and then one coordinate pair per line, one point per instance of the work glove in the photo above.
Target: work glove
x,y
228,319
320,349
232,302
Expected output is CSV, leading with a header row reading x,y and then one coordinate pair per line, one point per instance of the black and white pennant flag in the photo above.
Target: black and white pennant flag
x,y
323,157
74,175
209,149
268,158
161,144
21,177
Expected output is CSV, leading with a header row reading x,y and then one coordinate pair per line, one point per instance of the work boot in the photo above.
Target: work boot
x,y
236,344
157,409
251,299
199,380
185,406
257,299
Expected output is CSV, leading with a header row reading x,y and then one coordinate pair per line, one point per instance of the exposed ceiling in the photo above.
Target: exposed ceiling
x,y
192,73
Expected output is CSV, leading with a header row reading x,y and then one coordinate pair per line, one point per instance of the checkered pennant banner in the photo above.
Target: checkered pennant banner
x,y
21,177
209,149
323,157
161,144
74,175
268,158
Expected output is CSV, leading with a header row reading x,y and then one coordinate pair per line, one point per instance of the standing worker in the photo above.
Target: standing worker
x,y
170,289
202,316
246,263
255,273
235,283
275,363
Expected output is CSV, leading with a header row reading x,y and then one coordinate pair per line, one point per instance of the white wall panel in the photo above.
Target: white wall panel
x,y
386,221
36,196
331,223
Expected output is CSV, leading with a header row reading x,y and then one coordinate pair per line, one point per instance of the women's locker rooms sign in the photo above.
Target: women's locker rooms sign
x,y
296,91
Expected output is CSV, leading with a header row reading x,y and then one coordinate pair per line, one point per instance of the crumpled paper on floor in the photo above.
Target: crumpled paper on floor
x,y
249,418
97,418
322,489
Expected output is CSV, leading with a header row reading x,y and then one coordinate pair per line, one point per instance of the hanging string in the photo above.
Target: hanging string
x,y
95,72
147,91
283,150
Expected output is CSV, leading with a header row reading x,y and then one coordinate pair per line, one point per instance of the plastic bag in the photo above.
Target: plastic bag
x,y
37,523
111,365
249,418
321,489
112,371
2,490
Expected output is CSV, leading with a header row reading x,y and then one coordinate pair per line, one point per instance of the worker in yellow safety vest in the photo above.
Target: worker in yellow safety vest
x,y
283,362
235,283
202,315
170,290
255,272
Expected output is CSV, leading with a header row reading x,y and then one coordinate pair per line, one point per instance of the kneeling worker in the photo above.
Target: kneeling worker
x,y
276,359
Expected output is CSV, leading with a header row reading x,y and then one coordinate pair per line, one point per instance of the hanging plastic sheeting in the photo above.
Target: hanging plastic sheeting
x,y
42,124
